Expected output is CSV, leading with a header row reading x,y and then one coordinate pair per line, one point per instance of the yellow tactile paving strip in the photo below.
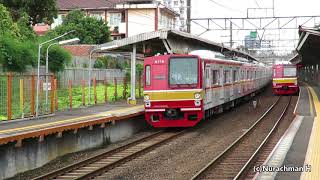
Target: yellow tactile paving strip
x,y
313,152
111,113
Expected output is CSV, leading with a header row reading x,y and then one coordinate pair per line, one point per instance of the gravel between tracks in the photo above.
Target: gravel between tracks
x,y
182,157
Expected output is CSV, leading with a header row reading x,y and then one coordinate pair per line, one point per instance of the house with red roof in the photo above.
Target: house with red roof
x,y
125,17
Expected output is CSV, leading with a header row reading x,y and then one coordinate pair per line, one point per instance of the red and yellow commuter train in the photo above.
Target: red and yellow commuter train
x,y
284,79
180,90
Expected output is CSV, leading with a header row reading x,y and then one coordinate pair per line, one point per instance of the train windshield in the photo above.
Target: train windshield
x,y
289,71
183,71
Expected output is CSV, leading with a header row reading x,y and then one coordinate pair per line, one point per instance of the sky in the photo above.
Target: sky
x,y
238,8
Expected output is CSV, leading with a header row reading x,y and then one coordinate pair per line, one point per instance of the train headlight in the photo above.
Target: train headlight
x,y
146,97
197,95
148,104
197,102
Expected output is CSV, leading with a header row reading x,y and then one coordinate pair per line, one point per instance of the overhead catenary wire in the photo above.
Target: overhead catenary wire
x,y
257,3
226,7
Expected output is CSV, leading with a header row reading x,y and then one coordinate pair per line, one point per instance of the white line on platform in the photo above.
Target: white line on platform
x,y
278,154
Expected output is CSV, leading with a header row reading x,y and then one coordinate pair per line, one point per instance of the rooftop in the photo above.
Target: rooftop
x,y
79,50
95,4
309,45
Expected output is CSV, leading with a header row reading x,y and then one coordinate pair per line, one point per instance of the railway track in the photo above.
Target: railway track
x,y
100,164
233,163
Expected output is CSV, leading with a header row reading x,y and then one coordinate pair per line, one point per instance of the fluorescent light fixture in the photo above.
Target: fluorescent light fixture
x,y
69,41
107,47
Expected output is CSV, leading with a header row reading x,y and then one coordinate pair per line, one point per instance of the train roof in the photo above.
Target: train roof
x,y
207,54
282,65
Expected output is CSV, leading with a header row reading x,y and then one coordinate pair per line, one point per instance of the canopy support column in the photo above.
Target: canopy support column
x,y
132,99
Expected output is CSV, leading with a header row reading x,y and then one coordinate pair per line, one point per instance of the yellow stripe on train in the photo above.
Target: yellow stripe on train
x,y
173,95
285,80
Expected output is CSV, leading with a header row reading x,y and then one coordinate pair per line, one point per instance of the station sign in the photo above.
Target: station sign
x,y
45,85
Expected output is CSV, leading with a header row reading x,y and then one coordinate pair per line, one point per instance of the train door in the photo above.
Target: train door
x,y
208,84
241,80
221,91
215,84
233,82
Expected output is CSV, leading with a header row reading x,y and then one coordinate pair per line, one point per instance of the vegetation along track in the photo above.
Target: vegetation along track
x,y
98,165
233,161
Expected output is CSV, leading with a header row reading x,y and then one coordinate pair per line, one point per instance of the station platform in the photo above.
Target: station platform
x,y
17,130
297,154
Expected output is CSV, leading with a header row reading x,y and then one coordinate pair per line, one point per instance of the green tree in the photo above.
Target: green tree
x,y
38,10
7,26
58,58
25,31
139,69
15,55
88,29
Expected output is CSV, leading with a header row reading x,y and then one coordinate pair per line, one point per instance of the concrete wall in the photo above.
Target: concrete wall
x,y
33,154
77,75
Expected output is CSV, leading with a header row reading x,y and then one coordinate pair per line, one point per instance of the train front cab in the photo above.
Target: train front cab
x,y
172,90
284,79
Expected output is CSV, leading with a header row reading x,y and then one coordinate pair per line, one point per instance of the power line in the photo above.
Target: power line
x,y
257,3
226,7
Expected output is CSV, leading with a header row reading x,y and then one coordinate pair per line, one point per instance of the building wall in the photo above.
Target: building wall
x,y
180,6
116,19
140,21
166,20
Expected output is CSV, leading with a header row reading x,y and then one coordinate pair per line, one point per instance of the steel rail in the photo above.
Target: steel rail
x,y
267,138
87,162
201,173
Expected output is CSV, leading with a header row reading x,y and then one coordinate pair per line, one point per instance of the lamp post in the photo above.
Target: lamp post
x,y
90,68
65,42
38,75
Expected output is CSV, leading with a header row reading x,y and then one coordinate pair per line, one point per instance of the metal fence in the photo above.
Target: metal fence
x,y
66,91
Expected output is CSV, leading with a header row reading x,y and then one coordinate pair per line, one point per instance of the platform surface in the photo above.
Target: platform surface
x,y
297,154
14,130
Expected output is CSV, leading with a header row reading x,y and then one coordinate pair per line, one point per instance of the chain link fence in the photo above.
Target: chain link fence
x,y
66,91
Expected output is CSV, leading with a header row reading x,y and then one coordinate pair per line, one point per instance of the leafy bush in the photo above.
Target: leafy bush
x,y
58,59
139,69
15,56
99,64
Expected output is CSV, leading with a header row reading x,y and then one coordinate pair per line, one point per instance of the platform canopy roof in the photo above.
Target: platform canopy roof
x,y
309,46
296,59
169,41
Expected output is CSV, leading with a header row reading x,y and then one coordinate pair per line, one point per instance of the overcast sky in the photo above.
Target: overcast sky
x,y
238,8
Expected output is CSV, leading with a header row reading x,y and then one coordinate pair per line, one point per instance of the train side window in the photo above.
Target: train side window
x,y
215,77
148,75
242,75
234,76
226,78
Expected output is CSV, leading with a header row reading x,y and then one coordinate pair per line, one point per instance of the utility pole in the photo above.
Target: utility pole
x,y
231,34
273,7
188,16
